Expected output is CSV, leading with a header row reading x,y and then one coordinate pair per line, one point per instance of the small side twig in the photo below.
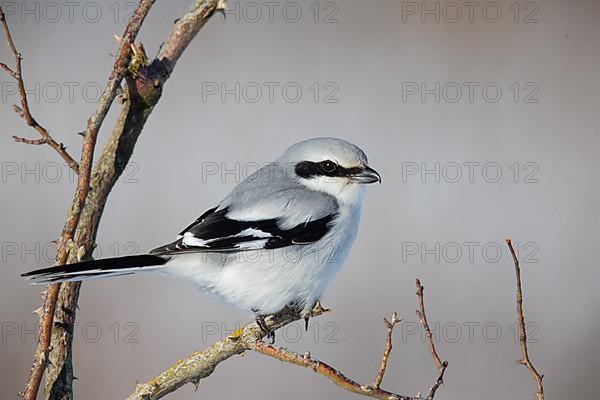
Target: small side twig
x,y
35,142
24,111
441,365
183,32
388,349
522,332
8,70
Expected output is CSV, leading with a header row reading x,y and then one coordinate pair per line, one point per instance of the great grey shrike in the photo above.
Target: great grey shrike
x,y
276,240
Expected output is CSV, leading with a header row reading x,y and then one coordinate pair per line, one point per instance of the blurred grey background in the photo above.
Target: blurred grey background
x,y
482,119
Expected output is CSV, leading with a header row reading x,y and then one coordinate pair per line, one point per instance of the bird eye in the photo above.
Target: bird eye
x,y
328,166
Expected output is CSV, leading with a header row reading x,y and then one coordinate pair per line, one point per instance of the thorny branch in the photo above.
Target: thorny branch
x,y
201,364
143,89
51,295
24,111
522,331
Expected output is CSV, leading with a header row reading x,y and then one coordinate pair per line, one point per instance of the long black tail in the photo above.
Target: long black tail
x,y
96,269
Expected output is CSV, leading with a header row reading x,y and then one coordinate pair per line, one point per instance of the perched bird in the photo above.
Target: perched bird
x,y
276,240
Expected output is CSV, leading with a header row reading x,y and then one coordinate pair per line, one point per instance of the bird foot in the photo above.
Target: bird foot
x,y
270,333
318,309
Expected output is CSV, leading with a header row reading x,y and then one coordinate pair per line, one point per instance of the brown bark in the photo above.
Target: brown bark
x,y
144,82
142,92
524,360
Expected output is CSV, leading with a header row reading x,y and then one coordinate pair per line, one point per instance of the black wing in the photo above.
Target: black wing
x,y
213,231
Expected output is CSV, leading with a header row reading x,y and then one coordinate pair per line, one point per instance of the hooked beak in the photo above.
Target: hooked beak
x,y
367,175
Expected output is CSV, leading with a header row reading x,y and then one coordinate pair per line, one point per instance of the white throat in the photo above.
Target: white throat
x,y
347,193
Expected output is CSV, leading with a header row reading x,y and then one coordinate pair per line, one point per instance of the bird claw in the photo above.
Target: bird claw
x,y
270,334
318,309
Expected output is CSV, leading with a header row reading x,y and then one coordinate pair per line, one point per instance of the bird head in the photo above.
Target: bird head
x,y
331,165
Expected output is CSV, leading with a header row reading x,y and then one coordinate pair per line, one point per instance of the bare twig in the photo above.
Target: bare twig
x,y
388,349
201,364
522,331
331,373
24,111
441,365
337,377
140,95
41,355
35,142
184,30
40,358
439,381
7,69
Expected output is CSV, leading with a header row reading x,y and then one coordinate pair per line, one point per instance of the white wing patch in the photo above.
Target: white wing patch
x,y
254,232
190,240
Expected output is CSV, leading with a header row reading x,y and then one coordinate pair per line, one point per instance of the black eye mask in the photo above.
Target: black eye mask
x,y
309,169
